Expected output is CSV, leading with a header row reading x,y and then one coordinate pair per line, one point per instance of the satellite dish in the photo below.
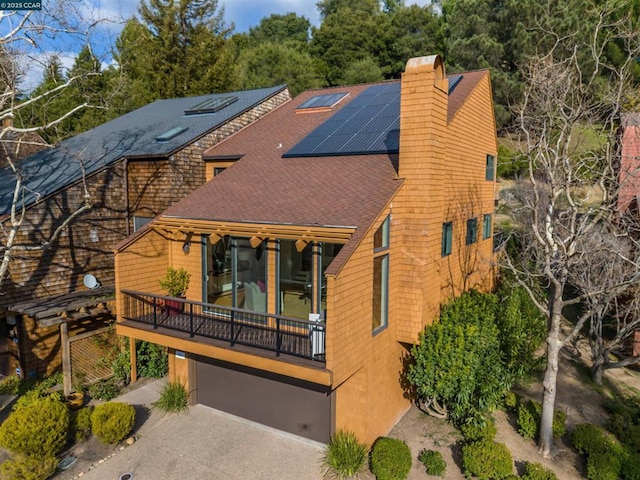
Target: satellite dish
x,y
90,281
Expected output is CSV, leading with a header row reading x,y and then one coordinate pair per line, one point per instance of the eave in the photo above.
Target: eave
x,y
333,234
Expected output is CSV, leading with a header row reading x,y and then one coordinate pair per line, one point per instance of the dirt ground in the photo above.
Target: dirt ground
x,y
576,396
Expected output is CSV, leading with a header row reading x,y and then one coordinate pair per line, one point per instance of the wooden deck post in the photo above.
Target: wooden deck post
x,y
132,354
66,359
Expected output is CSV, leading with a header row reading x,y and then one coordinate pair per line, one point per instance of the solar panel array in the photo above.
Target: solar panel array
x,y
211,106
370,123
322,101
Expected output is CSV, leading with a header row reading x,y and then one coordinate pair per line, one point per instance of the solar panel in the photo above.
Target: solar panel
x,y
322,101
454,80
369,124
211,105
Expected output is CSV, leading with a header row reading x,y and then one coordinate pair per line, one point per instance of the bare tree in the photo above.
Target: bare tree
x,y
30,38
568,123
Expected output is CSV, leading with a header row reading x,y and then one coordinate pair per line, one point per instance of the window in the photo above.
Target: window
x,y
490,167
218,170
139,222
447,238
381,237
472,231
486,227
381,276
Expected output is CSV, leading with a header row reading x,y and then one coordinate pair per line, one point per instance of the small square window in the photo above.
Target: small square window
x,y
486,227
447,238
472,231
490,167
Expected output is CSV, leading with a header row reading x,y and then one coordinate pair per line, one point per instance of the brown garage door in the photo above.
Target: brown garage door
x,y
281,402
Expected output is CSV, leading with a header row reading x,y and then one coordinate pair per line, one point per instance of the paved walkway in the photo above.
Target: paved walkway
x,y
205,444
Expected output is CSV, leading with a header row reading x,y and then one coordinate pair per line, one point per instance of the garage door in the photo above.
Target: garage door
x,y
280,402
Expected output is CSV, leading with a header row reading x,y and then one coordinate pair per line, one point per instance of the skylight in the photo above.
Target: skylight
x,y
211,105
322,102
169,134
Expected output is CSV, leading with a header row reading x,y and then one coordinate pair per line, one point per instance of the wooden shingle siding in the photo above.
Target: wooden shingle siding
x,y
153,187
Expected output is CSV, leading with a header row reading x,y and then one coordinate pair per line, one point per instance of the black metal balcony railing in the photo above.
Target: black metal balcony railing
x,y
276,333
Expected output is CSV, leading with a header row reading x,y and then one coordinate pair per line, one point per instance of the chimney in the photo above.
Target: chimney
x,y
417,208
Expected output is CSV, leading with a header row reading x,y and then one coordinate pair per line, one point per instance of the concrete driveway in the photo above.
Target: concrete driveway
x,y
205,444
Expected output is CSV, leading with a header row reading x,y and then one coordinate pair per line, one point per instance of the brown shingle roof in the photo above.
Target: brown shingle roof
x,y
263,187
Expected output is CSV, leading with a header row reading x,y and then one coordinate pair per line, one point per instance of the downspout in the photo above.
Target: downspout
x,y
126,197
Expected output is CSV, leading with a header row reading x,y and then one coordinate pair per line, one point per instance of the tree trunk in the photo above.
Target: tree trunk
x,y
545,447
554,344
597,372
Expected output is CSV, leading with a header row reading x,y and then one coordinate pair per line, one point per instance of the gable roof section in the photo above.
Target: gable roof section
x,y
265,187
133,135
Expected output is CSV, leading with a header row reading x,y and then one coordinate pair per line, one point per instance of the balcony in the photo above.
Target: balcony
x,y
233,326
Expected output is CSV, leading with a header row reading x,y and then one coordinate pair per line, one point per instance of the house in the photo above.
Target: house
x,y
129,170
345,219
629,184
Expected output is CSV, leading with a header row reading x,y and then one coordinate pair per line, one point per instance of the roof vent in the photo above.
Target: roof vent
x,y
169,134
211,105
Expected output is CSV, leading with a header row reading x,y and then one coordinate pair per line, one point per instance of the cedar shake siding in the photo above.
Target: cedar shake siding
x,y
377,291
123,188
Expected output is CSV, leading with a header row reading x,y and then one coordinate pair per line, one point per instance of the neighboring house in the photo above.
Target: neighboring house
x,y
629,184
132,168
629,175
14,146
348,216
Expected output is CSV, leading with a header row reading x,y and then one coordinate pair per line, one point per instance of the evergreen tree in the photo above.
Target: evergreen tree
x,y
179,48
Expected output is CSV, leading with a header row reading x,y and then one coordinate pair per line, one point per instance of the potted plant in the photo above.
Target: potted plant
x,y
175,282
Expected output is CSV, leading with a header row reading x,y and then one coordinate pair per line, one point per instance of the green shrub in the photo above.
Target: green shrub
x,y
152,360
511,401
487,460
36,429
112,421
528,415
458,360
605,455
537,471
10,385
630,468
521,330
526,421
22,467
81,424
106,389
390,459
433,462
31,390
174,398
483,429
344,456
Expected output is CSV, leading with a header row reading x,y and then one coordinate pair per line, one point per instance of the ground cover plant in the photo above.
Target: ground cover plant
x,y
173,398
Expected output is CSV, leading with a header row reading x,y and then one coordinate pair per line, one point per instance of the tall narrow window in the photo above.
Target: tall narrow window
x,y
381,276
486,227
490,167
472,231
447,238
